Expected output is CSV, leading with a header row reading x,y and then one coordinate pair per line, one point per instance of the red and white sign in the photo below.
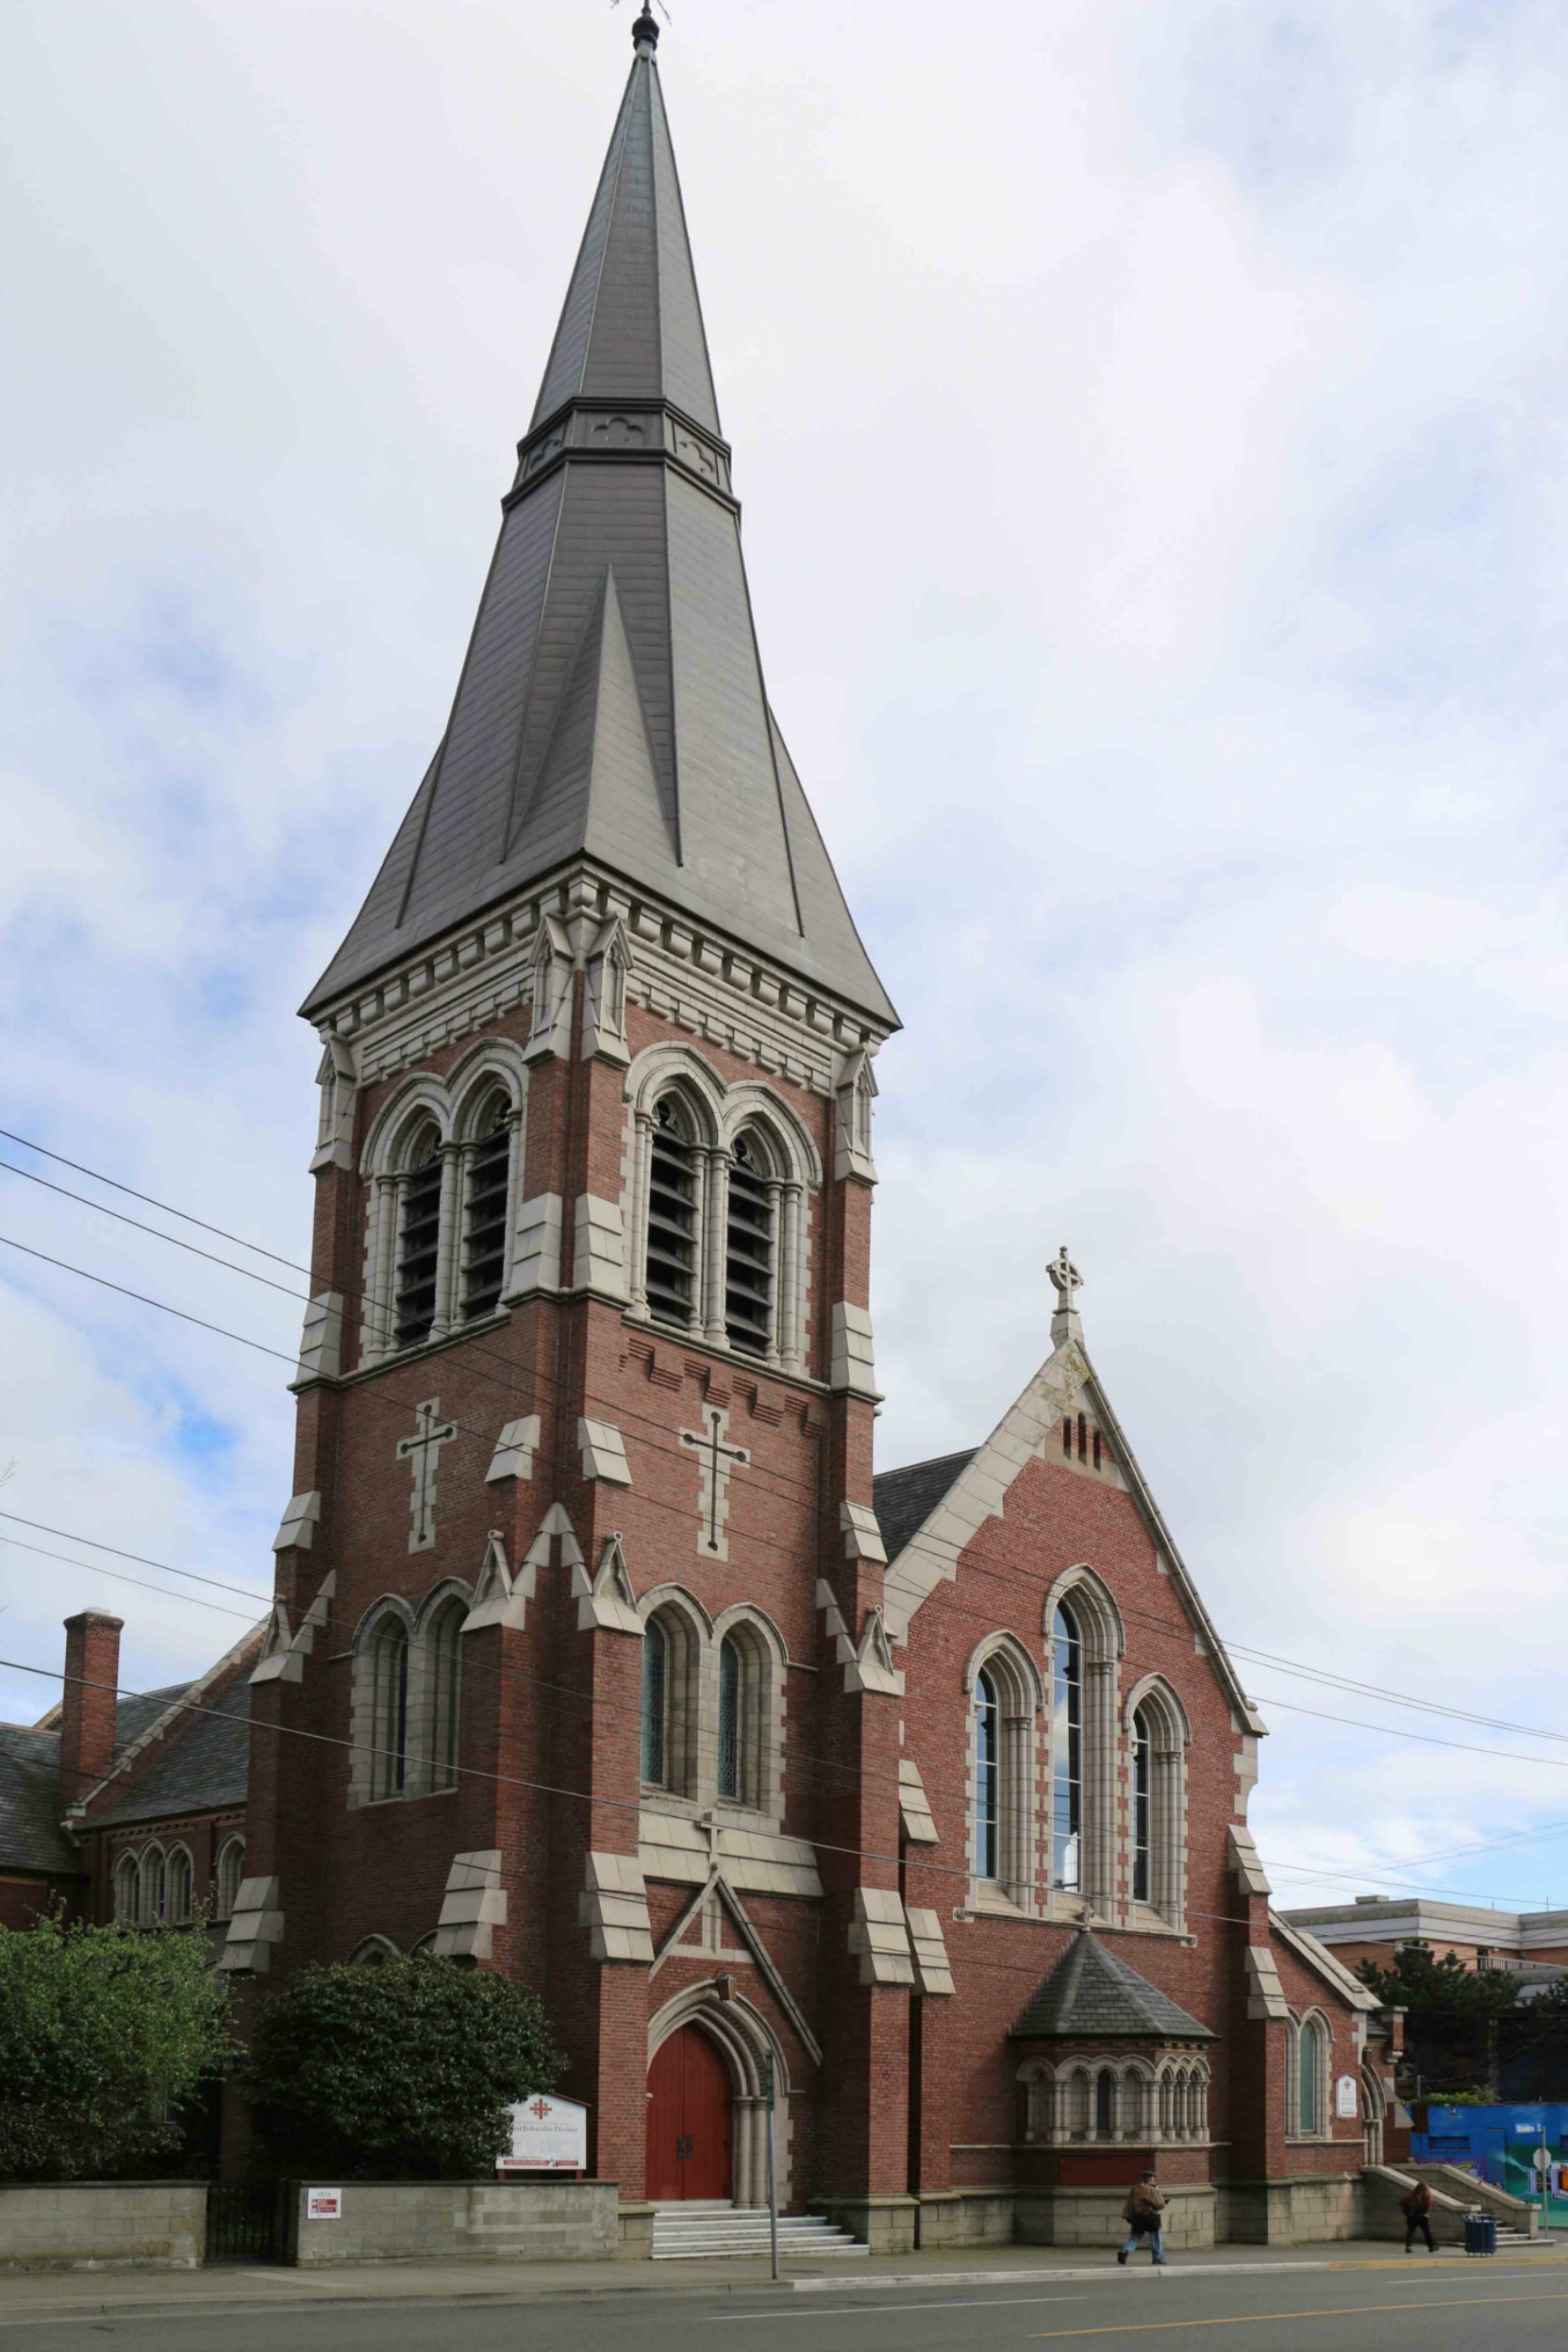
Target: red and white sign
x,y
547,2136
323,2205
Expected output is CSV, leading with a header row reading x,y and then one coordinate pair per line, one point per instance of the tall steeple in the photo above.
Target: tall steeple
x,y
612,704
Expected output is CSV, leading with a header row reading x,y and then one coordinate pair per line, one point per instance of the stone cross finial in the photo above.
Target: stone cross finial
x,y
1067,1281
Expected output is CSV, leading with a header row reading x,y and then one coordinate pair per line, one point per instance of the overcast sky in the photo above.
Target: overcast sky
x,y
1147,415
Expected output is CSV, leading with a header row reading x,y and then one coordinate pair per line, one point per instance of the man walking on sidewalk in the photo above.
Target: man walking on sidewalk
x,y
1141,2213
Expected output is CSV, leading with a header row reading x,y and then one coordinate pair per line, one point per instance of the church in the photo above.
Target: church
x,y
603,1651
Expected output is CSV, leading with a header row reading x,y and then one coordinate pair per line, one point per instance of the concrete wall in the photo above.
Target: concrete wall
x,y
511,2220
965,2217
1094,2216
1300,2211
156,2225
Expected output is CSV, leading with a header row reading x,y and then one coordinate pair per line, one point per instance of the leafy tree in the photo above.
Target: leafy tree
x,y
102,2032
1535,2046
1452,2015
401,2071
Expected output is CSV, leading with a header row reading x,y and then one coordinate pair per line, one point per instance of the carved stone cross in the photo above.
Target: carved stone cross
x,y
424,1452
1066,1279
715,1460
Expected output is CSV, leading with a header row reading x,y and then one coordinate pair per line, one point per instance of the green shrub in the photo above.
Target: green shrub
x,y
102,2032
401,2071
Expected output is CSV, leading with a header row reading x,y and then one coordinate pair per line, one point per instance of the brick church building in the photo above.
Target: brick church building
x,y
615,1662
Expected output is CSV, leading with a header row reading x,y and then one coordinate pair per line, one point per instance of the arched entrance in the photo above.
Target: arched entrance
x,y
690,2130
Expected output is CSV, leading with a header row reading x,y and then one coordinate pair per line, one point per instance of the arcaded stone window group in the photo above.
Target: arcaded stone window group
x,y
408,1698
154,1884
1112,2100
1112,1784
713,1704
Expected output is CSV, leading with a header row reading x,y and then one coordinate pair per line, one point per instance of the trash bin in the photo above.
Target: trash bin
x,y
1481,2233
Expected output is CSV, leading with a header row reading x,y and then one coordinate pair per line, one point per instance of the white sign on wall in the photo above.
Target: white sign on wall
x,y
547,2136
323,2205
1347,2097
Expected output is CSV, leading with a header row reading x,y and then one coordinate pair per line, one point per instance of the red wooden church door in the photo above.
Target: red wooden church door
x,y
688,2120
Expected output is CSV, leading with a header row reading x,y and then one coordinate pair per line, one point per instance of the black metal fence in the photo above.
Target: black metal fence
x,y
245,2221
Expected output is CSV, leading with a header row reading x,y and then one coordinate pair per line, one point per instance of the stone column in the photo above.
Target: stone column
x,y
790,1315
454,1169
715,1240
642,1163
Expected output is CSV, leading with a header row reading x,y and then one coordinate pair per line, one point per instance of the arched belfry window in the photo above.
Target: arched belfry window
x,y
419,1238
1067,1753
487,1173
749,1270
672,1216
389,1774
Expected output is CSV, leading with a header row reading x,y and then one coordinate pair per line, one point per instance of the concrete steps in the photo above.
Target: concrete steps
x,y
705,2233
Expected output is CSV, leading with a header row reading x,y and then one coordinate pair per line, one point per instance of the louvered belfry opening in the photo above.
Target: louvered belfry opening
x,y
672,1219
485,1234
748,1273
416,1258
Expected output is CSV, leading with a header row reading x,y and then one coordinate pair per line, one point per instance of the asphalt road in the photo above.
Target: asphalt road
x,y
1405,2307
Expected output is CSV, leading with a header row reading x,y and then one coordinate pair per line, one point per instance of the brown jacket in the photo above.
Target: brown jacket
x,y
1144,2205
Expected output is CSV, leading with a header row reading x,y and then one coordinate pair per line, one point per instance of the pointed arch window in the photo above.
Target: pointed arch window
x,y
179,1889
443,1692
1104,2104
231,1870
418,1238
749,1270
155,1887
389,1774
127,1891
1142,1807
732,1729
672,1216
655,1660
487,1182
1067,1754
988,1778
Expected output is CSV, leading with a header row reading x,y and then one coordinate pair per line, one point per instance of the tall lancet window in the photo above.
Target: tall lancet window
x,y
656,1662
1067,1755
749,1257
731,1730
1142,1807
443,1692
672,1217
419,1240
390,1713
485,1209
988,1780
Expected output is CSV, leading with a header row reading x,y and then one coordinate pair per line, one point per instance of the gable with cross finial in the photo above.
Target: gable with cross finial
x,y
421,1453
715,1460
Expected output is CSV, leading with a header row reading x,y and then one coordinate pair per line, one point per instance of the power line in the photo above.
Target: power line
x,y
70,1535
119,1577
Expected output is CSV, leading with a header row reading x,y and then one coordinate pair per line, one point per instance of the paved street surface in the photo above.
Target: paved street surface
x,y
1362,2300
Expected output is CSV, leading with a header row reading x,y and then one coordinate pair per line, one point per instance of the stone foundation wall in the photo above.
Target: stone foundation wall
x,y
1094,2216
510,2221
106,2225
965,2217
1293,2212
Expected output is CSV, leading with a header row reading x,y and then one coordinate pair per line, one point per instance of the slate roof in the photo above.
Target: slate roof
x,y
1092,1994
200,1768
611,704
905,1500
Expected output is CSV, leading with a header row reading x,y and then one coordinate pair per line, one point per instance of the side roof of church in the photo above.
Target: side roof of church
x,y
611,703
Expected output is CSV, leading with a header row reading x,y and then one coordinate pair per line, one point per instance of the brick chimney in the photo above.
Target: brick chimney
x,y
87,1708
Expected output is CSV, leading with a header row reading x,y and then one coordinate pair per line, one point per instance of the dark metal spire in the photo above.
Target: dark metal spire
x,y
612,704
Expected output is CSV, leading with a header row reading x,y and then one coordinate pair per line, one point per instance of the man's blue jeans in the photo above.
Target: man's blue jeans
x,y
1156,2238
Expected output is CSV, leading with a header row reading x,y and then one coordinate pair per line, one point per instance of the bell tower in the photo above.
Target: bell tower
x,y
579,1591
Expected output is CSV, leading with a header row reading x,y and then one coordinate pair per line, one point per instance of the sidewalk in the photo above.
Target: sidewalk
x,y
42,2296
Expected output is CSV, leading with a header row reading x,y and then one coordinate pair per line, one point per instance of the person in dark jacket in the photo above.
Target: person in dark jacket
x,y
1141,2213
1416,2204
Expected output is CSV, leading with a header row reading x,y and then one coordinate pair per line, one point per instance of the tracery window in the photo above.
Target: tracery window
x,y
1067,1754
419,1238
1156,1736
390,1708
1142,1798
673,1181
1005,1689
671,1655
231,1870
488,1174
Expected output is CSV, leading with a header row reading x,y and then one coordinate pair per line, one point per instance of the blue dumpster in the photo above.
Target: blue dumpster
x,y
1481,2233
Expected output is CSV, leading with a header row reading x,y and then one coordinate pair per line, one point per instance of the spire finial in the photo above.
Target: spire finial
x,y
644,33
1067,1281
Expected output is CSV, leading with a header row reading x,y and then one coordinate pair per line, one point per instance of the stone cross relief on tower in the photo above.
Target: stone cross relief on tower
x,y
422,1453
715,1460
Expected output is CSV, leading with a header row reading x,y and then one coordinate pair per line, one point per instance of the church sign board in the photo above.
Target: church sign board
x,y
547,2136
